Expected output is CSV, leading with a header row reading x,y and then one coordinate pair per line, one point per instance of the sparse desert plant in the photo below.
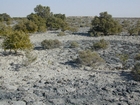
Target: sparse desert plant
x,y
136,71
125,24
61,34
73,29
30,57
123,58
74,44
102,44
50,44
89,58
139,32
137,57
132,30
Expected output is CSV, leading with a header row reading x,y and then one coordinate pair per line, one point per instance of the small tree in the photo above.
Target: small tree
x,y
16,40
105,24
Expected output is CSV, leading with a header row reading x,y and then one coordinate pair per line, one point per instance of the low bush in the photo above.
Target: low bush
x,y
74,44
102,44
136,71
50,44
89,58
61,34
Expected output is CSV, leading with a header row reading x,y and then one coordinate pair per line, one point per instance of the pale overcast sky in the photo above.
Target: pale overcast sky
x,y
117,8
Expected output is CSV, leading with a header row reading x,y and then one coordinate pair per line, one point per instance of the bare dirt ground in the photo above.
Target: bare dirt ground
x,y
53,80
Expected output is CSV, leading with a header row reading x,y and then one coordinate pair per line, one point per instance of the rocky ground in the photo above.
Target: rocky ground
x,y
54,79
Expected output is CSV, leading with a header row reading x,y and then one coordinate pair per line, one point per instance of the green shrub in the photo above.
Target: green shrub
x,y
102,44
89,58
74,44
137,57
50,44
61,34
136,71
